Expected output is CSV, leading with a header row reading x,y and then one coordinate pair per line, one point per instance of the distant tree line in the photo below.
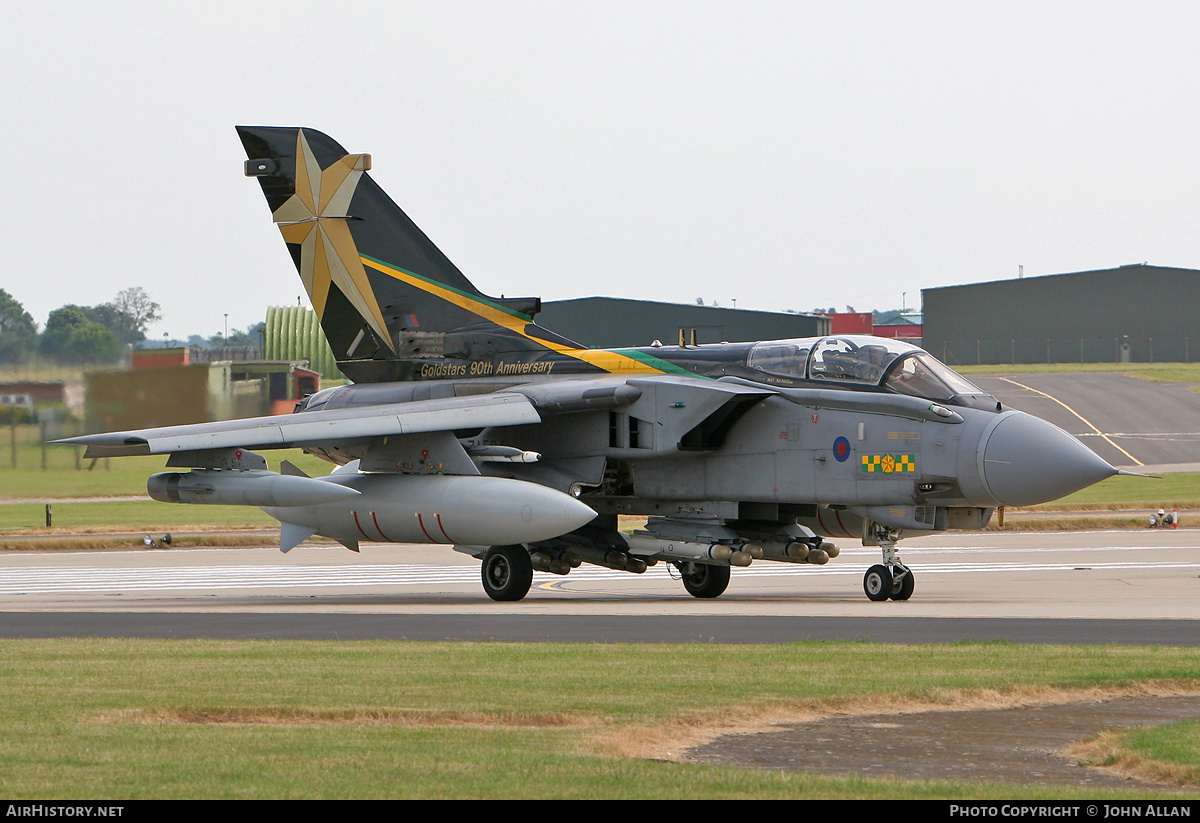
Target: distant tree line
x,y
98,335
88,335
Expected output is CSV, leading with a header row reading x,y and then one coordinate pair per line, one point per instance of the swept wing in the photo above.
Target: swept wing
x,y
286,431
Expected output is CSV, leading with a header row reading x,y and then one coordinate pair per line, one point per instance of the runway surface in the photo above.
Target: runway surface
x,y
1087,587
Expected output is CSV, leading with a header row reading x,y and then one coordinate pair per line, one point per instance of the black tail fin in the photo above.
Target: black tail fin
x,y
384,293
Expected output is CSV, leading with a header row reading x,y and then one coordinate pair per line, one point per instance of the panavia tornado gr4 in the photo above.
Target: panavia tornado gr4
x,y
468,424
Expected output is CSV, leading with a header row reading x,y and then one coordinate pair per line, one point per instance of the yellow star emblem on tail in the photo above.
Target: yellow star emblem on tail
x,y
314,218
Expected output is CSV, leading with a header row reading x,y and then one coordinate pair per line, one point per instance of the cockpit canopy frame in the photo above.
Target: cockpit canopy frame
x,y
863,361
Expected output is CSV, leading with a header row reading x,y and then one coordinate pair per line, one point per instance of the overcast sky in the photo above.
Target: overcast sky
x,y
786,155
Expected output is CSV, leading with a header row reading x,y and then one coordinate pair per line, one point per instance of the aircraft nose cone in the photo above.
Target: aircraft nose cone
x,y
1026,460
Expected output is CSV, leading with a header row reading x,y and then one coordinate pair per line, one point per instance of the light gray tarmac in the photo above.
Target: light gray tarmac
x,y
1138,586
1152,423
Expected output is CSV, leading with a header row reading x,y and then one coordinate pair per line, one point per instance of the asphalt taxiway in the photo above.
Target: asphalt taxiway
x,y
1127,421
1053,587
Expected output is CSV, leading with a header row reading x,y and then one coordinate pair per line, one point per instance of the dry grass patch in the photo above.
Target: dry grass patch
x,y
1069,524
1107,752
100,542
671,740
404,718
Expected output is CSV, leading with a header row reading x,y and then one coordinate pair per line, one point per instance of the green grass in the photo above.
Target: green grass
x,y
274,719
1175,743
115,477
1168,754
1180,489
65,476
128,516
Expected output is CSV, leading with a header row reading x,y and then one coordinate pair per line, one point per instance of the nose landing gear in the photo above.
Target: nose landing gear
x,y
891,580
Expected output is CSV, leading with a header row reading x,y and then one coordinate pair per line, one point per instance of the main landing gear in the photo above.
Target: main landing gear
x,y
507,572
891,580
702,579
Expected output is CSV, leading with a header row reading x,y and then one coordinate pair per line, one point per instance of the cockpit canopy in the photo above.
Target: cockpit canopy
x,y
866,361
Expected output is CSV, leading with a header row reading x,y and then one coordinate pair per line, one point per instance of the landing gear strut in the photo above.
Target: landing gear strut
x,y
891,580
507,573
902,582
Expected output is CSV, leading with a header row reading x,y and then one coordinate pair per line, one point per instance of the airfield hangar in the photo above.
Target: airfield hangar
x,y
1131,314
610,322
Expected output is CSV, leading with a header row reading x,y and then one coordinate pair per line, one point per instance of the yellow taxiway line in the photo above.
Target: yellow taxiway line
x,y
1089,423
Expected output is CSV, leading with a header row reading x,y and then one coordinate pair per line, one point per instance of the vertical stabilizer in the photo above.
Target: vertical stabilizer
x,y
382,289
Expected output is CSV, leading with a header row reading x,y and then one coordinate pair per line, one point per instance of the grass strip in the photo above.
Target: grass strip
x,y
1180,489
65,476
134,516
124,718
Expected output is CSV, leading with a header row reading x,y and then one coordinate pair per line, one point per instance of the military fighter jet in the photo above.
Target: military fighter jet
x,y
468,424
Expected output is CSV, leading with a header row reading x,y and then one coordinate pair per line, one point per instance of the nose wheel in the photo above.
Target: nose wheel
x,y
877,583
884,583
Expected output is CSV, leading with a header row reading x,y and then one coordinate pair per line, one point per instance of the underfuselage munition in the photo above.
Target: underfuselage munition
x,y
468,424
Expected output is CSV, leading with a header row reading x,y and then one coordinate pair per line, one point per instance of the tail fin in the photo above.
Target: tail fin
x,y
385,294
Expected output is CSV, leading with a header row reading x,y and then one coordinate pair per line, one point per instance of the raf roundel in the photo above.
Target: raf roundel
x,y
841,449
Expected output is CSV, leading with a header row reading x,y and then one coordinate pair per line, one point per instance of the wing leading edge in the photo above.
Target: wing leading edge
x,y
285,431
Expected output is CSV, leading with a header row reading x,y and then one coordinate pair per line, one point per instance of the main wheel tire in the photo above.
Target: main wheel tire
x,y
902,587
877,583
507,573
702,580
